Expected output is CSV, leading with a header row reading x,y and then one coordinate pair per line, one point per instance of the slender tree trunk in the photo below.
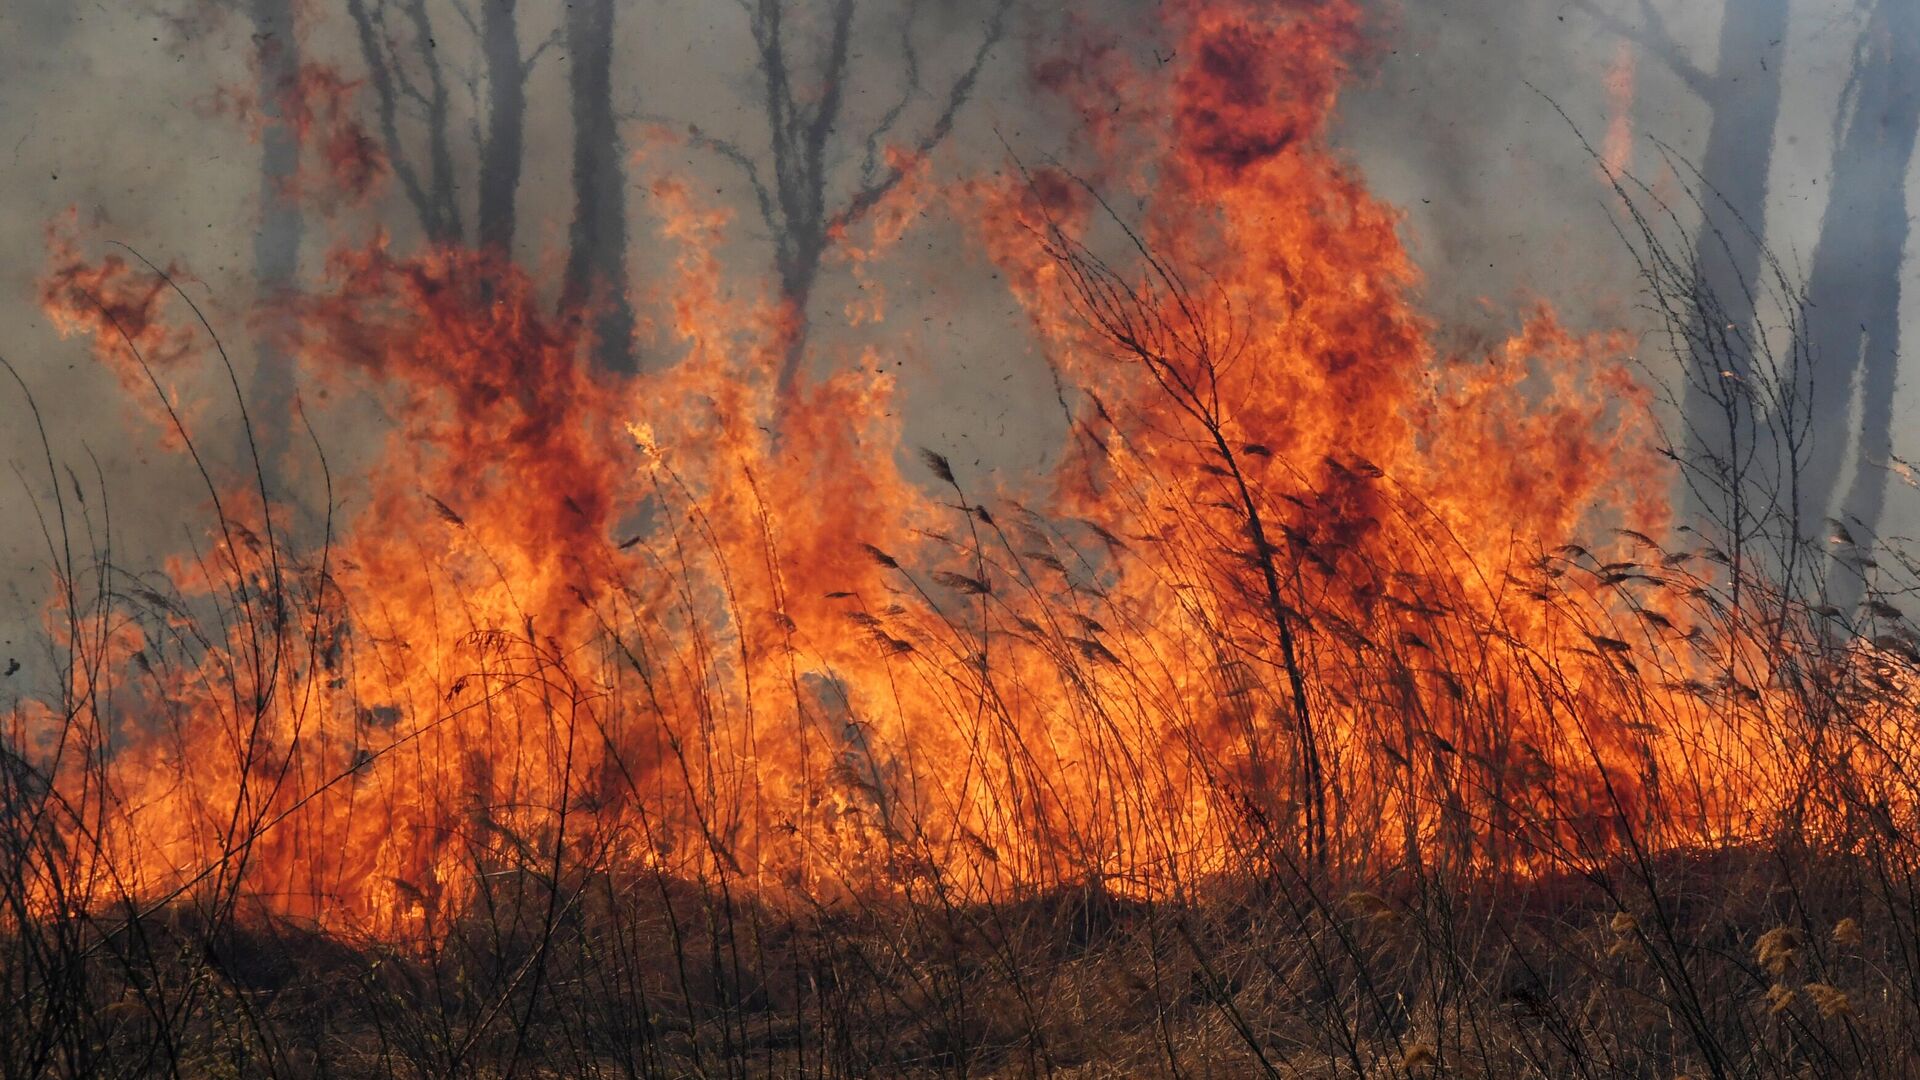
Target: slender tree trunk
x,y
596,278
501,155
1854,287
796,292
1744,93
433,197
276,246
443,224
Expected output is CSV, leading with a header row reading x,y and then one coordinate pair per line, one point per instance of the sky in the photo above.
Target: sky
x,y
114,109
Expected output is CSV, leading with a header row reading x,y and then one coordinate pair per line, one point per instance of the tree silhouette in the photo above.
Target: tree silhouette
x,y
413,79
1743,92
276,245
1853,287
797,182
596,279
503,149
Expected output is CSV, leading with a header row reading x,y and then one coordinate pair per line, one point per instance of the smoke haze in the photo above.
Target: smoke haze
x,y
126,113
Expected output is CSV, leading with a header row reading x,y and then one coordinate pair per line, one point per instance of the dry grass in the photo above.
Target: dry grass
x,y
1511,930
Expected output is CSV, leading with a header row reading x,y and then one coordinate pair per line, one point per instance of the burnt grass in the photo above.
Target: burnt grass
x,y
1648,969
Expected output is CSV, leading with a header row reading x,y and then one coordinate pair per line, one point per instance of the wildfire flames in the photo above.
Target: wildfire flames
x,y
1303,587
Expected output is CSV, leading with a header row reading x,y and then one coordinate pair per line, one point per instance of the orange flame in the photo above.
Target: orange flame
x,y
580,621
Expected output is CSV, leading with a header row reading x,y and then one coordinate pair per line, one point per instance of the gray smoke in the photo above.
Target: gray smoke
x,y
110,108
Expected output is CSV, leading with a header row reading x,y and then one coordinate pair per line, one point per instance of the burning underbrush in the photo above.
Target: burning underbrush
x,y
1339,708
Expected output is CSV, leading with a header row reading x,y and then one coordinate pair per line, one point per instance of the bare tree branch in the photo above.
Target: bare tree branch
x,y
1653,36
391,85
803,136
871,195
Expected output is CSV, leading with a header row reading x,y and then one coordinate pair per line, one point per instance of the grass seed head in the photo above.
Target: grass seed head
x,y
1778,949
1366,905
1830,1000
1779,998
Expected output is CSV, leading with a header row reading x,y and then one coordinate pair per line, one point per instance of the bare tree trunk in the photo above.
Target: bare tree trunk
x,y
444,225
1854,286
799,266
276,246
596,278
799,132
1744,93
501,154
